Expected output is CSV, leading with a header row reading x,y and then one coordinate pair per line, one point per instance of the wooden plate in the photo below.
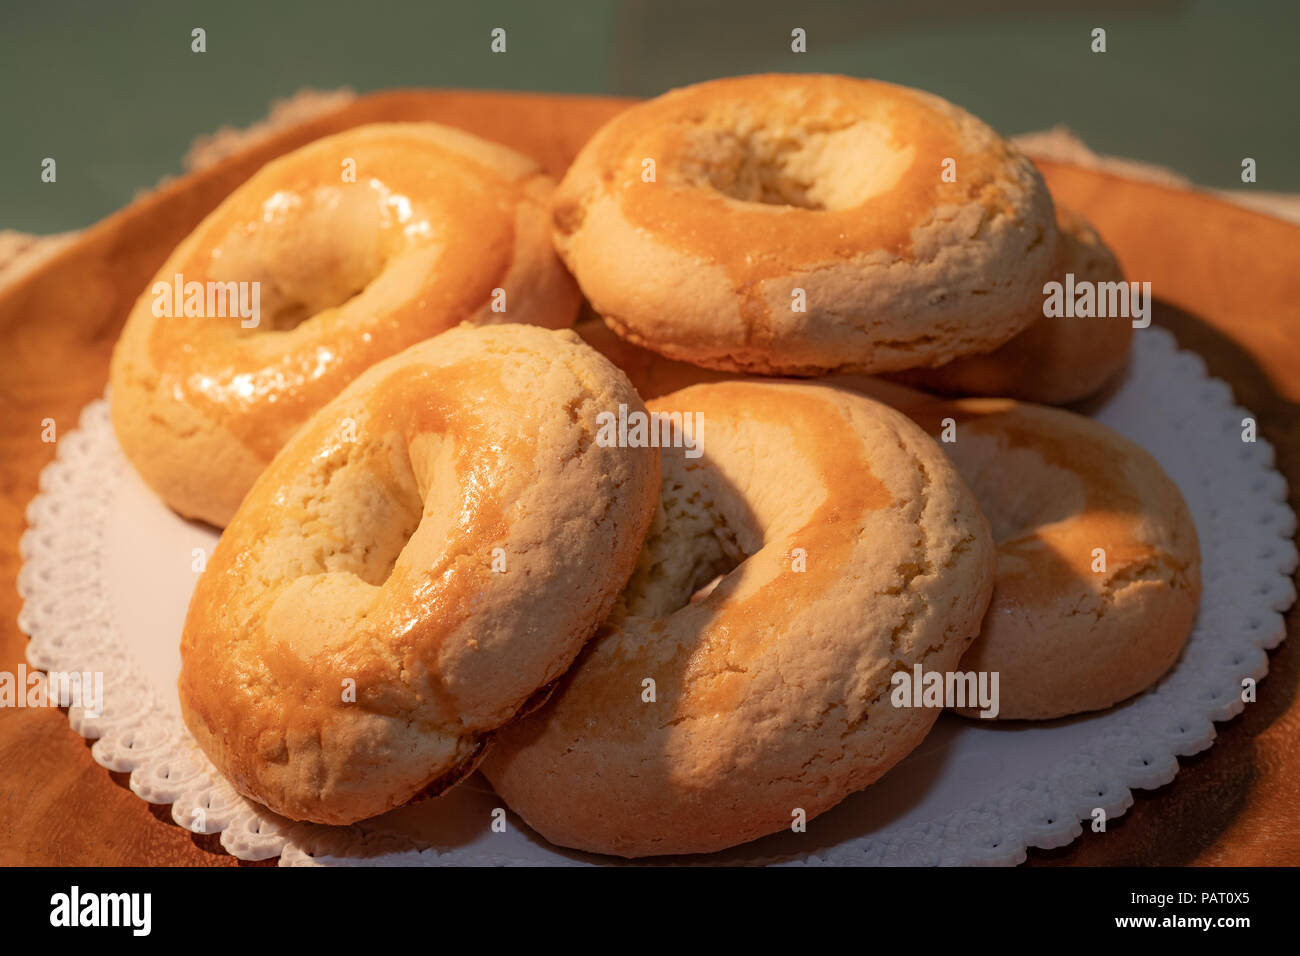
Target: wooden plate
x,y
1227,283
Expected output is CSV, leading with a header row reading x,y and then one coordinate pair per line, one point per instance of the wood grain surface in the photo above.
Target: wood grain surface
x,y
1228,285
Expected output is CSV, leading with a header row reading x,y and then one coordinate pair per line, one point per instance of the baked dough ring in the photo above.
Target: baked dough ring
x,y
368,551
349,272
764,185
1064,636
1055,485
1055,360
773,691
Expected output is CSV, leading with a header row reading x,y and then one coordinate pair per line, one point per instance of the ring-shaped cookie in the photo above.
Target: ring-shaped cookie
x,y
327,260
805,224
412,570
850,550
1099,568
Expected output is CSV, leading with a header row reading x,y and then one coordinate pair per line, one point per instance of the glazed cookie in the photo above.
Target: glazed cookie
x,y
412,570
1055,360
701,718
800,224
329,259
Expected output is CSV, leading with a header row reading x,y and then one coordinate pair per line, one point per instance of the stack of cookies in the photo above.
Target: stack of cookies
x,y
703,569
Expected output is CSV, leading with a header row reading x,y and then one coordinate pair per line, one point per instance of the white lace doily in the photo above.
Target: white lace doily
x,y
108,571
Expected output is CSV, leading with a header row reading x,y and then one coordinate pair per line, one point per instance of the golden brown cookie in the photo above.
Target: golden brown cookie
x,y
698,719
414,566
1099,569
329,259
800,224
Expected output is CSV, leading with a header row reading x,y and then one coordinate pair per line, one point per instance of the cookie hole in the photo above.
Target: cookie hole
x,y
660,589
306,252
795,160
702,532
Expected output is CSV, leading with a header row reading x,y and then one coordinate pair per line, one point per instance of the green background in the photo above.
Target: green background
x,y
114,94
